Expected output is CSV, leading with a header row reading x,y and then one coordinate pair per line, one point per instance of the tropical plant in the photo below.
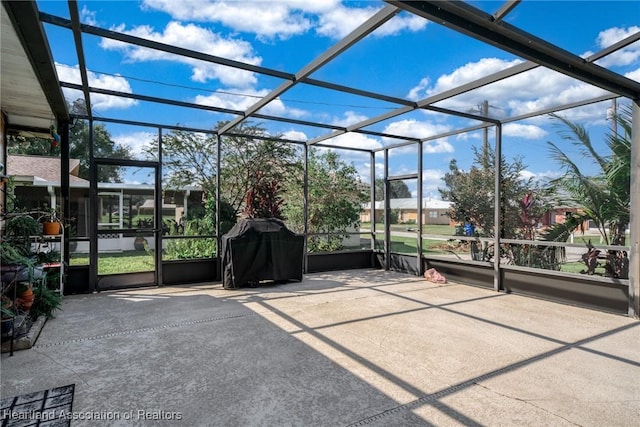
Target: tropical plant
x,y
200,221
528,255
46,301
335,192
190,248
263,198
190,159
602,197
472,195
16,249
335,198
7,307
20,226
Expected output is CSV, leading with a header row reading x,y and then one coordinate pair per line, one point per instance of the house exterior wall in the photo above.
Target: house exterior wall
x,y
429,216
436,217
558,216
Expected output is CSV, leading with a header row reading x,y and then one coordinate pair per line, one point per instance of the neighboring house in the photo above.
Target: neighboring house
x,y
436,212
433,211
36,170
562,207
558,215
37,182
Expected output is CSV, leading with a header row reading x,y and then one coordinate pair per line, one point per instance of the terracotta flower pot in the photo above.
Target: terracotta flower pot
x,y
25,301
51,228
139,243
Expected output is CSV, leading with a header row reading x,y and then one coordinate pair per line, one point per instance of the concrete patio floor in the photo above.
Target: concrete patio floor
x,y
363,347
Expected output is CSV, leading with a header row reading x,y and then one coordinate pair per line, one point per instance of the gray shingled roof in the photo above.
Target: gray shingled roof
x,y
41,168
410,203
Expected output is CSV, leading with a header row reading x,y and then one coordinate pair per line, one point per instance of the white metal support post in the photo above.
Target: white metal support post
x,y
387,216
420,211
372,200
305,208
634,223
497,209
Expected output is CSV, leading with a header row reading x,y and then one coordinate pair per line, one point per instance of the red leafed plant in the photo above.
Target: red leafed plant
x,y
263,201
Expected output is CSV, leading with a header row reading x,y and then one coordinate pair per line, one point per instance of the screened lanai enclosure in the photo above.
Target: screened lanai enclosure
x,y
434,167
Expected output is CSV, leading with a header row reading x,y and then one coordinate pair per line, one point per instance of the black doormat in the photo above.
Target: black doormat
x,y
48,408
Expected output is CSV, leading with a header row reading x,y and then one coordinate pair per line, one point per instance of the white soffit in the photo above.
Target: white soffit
x,y
21,96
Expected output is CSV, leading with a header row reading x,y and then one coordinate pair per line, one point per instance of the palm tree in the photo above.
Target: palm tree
x,y
603,198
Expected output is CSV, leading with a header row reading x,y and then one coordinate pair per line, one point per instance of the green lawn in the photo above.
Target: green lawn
x,y
443,230
120,262
593,238
138,261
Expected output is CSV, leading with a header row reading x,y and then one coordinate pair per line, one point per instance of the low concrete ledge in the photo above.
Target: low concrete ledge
x,y
29,339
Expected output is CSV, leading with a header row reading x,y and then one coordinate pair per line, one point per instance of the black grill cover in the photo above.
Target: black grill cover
x,y
260,249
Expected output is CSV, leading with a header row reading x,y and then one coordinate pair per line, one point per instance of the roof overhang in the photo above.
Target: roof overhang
x,y
32,98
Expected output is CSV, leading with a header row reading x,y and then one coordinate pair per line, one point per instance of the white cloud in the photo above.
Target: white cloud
x,y
279,19
135,141
559,90
431,181
355,140
71,74
531,91
87,16
592,114
241,99
285,18
523,93
437,146
364,171
402,22
231,99
195,38
420,90
340,21
626,56
417,129
523,131
525,174
539,176
465,74
350,118
295,135
634,75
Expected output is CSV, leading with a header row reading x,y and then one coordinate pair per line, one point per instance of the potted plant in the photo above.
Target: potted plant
x,y
7,315
140,243
46,301
20,227
25,296
52,224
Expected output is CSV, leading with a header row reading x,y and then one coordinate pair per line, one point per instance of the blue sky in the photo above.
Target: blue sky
x,y
408,57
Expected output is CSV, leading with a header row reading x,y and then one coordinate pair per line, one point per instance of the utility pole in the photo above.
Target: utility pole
x,y
613,112
484,110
